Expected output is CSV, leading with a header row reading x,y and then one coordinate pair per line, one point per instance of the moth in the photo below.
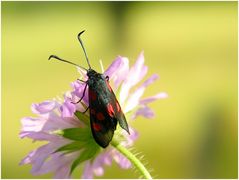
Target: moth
x,y
104,108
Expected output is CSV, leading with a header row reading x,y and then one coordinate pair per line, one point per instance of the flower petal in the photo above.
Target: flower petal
x,y
133,135
32,124
137,71
123,69
50,165
27,159
64,165
49,122
144,111
78,91
113,67
150,80
117,68
136,74
134,98
58,163
43,107
122,161
98,171
107,160
40,156
130,138
68,108
40,136
124,91
55,122
88,172
150,99
63,172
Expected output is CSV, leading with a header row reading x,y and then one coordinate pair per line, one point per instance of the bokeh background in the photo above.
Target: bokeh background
x,y
191,45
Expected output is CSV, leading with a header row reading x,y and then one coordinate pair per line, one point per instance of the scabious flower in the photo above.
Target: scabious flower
x,y
66,129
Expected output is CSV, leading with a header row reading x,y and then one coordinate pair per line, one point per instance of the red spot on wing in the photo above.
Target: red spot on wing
x,y
118,107
92,95
96,127
108,85
110,110
100,116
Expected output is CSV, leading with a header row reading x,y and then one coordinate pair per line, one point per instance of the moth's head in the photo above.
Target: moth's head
x,y
91,72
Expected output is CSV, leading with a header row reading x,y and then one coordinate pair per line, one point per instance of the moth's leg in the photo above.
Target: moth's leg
x,y
82,95
107,78
86,110
82,81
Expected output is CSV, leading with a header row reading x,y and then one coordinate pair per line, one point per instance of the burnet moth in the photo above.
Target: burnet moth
x,y
104,108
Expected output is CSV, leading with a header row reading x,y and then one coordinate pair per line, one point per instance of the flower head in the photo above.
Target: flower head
x,y
67,132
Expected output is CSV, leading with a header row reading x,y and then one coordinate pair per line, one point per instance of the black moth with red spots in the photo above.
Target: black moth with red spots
x,y
105,110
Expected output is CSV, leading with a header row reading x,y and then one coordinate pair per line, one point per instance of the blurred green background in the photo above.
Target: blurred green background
x,y
191,45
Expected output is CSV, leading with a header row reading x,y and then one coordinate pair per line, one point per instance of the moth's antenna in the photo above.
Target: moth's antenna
x,y
82,45
57,58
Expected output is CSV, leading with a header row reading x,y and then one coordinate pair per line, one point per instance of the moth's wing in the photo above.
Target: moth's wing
x,y
102,125
118,113
122,121
105,111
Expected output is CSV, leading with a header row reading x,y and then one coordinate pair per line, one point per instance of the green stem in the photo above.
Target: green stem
x,y
135,161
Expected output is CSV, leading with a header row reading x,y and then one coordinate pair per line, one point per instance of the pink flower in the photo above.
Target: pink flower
x,y
56,121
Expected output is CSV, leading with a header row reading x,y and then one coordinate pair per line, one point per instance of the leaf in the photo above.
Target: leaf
x,y
74,146
83,117
89,151
77,134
